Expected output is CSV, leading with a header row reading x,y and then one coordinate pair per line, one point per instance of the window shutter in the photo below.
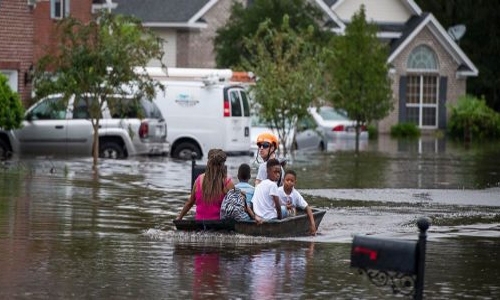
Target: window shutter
x,y
443,88
402,98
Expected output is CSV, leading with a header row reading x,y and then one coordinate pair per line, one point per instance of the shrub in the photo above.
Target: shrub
x,y
405,130
372,132
472,118
11,108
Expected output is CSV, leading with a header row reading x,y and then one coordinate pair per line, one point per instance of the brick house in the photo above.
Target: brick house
x,y
427,67
26,32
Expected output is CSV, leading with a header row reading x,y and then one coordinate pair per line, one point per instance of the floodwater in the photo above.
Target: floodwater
x,y
66,233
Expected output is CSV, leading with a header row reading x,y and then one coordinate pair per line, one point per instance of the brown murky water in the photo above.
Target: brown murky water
x,y
68,234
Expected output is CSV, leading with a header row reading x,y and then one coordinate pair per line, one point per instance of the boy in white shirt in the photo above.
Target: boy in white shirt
x,y
266,203
290,199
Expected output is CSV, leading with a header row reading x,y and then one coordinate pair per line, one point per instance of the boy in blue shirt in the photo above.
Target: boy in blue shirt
x,y
243,177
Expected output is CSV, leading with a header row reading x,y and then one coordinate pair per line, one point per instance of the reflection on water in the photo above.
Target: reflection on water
x,y
426,163
67,233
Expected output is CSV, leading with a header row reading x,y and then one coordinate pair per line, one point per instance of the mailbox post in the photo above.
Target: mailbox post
x,y
195,169
398,263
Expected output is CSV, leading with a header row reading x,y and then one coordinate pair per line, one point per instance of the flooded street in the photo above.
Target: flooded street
x,y
66,233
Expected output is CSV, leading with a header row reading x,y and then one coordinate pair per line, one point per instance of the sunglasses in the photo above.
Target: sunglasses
x,y
264,145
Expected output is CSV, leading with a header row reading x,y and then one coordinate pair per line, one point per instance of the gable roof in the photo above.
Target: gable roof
x,y
166,13
415,25
400,34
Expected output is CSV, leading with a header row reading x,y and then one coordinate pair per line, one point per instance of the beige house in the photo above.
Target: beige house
x,y
428,68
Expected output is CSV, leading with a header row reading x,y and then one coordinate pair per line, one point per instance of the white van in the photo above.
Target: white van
x,y
203,110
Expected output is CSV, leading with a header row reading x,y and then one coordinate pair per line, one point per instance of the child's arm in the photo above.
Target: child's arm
x,y
277,205
312,226
252,215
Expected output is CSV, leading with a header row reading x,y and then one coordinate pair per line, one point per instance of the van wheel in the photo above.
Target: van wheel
x,y
111,150
185,150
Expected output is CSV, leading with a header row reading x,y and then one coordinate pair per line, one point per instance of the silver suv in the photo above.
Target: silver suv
x,y
53,126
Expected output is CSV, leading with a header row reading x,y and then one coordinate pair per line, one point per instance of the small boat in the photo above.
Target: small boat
x,y
288,227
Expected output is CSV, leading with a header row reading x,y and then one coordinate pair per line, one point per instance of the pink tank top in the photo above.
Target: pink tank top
x,y
207,211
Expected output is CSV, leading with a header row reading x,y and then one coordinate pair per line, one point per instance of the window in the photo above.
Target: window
x,y
123,108
49,109
422,88
59,9
234,97
11,78
83,106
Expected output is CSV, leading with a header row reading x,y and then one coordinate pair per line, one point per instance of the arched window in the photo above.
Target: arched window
x,y
422,88
422,58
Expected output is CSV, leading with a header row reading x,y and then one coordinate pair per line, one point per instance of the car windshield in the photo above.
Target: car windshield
x,y
330,114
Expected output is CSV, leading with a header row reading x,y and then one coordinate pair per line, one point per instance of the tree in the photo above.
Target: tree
x,y
289,74
244,22
98,59
359,72
11,108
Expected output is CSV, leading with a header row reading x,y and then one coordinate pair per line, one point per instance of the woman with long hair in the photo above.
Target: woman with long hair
x,y
209,188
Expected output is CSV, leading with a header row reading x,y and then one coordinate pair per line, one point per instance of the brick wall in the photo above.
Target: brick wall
x,y
16,36
45,40
447,67
27,33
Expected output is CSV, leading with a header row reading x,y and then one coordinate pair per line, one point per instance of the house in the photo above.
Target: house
x,y
16,46
186,26
27,33
428,69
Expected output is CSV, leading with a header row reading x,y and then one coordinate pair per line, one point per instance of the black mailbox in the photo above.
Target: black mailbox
x,y
385,255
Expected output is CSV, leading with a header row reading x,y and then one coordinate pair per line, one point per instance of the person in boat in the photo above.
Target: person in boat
x,y
267,144
266,203
209,188
237,204
290,199
244,174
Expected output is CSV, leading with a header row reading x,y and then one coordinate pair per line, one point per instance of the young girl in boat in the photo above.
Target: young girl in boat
x,y
267,144
209,188
290,199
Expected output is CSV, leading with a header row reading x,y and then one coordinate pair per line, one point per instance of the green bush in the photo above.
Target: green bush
x,y
11,108
405,130
471,118
372,132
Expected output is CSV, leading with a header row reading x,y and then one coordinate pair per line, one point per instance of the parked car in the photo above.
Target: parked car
x,y
54,126
309,135
305,134
336,124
